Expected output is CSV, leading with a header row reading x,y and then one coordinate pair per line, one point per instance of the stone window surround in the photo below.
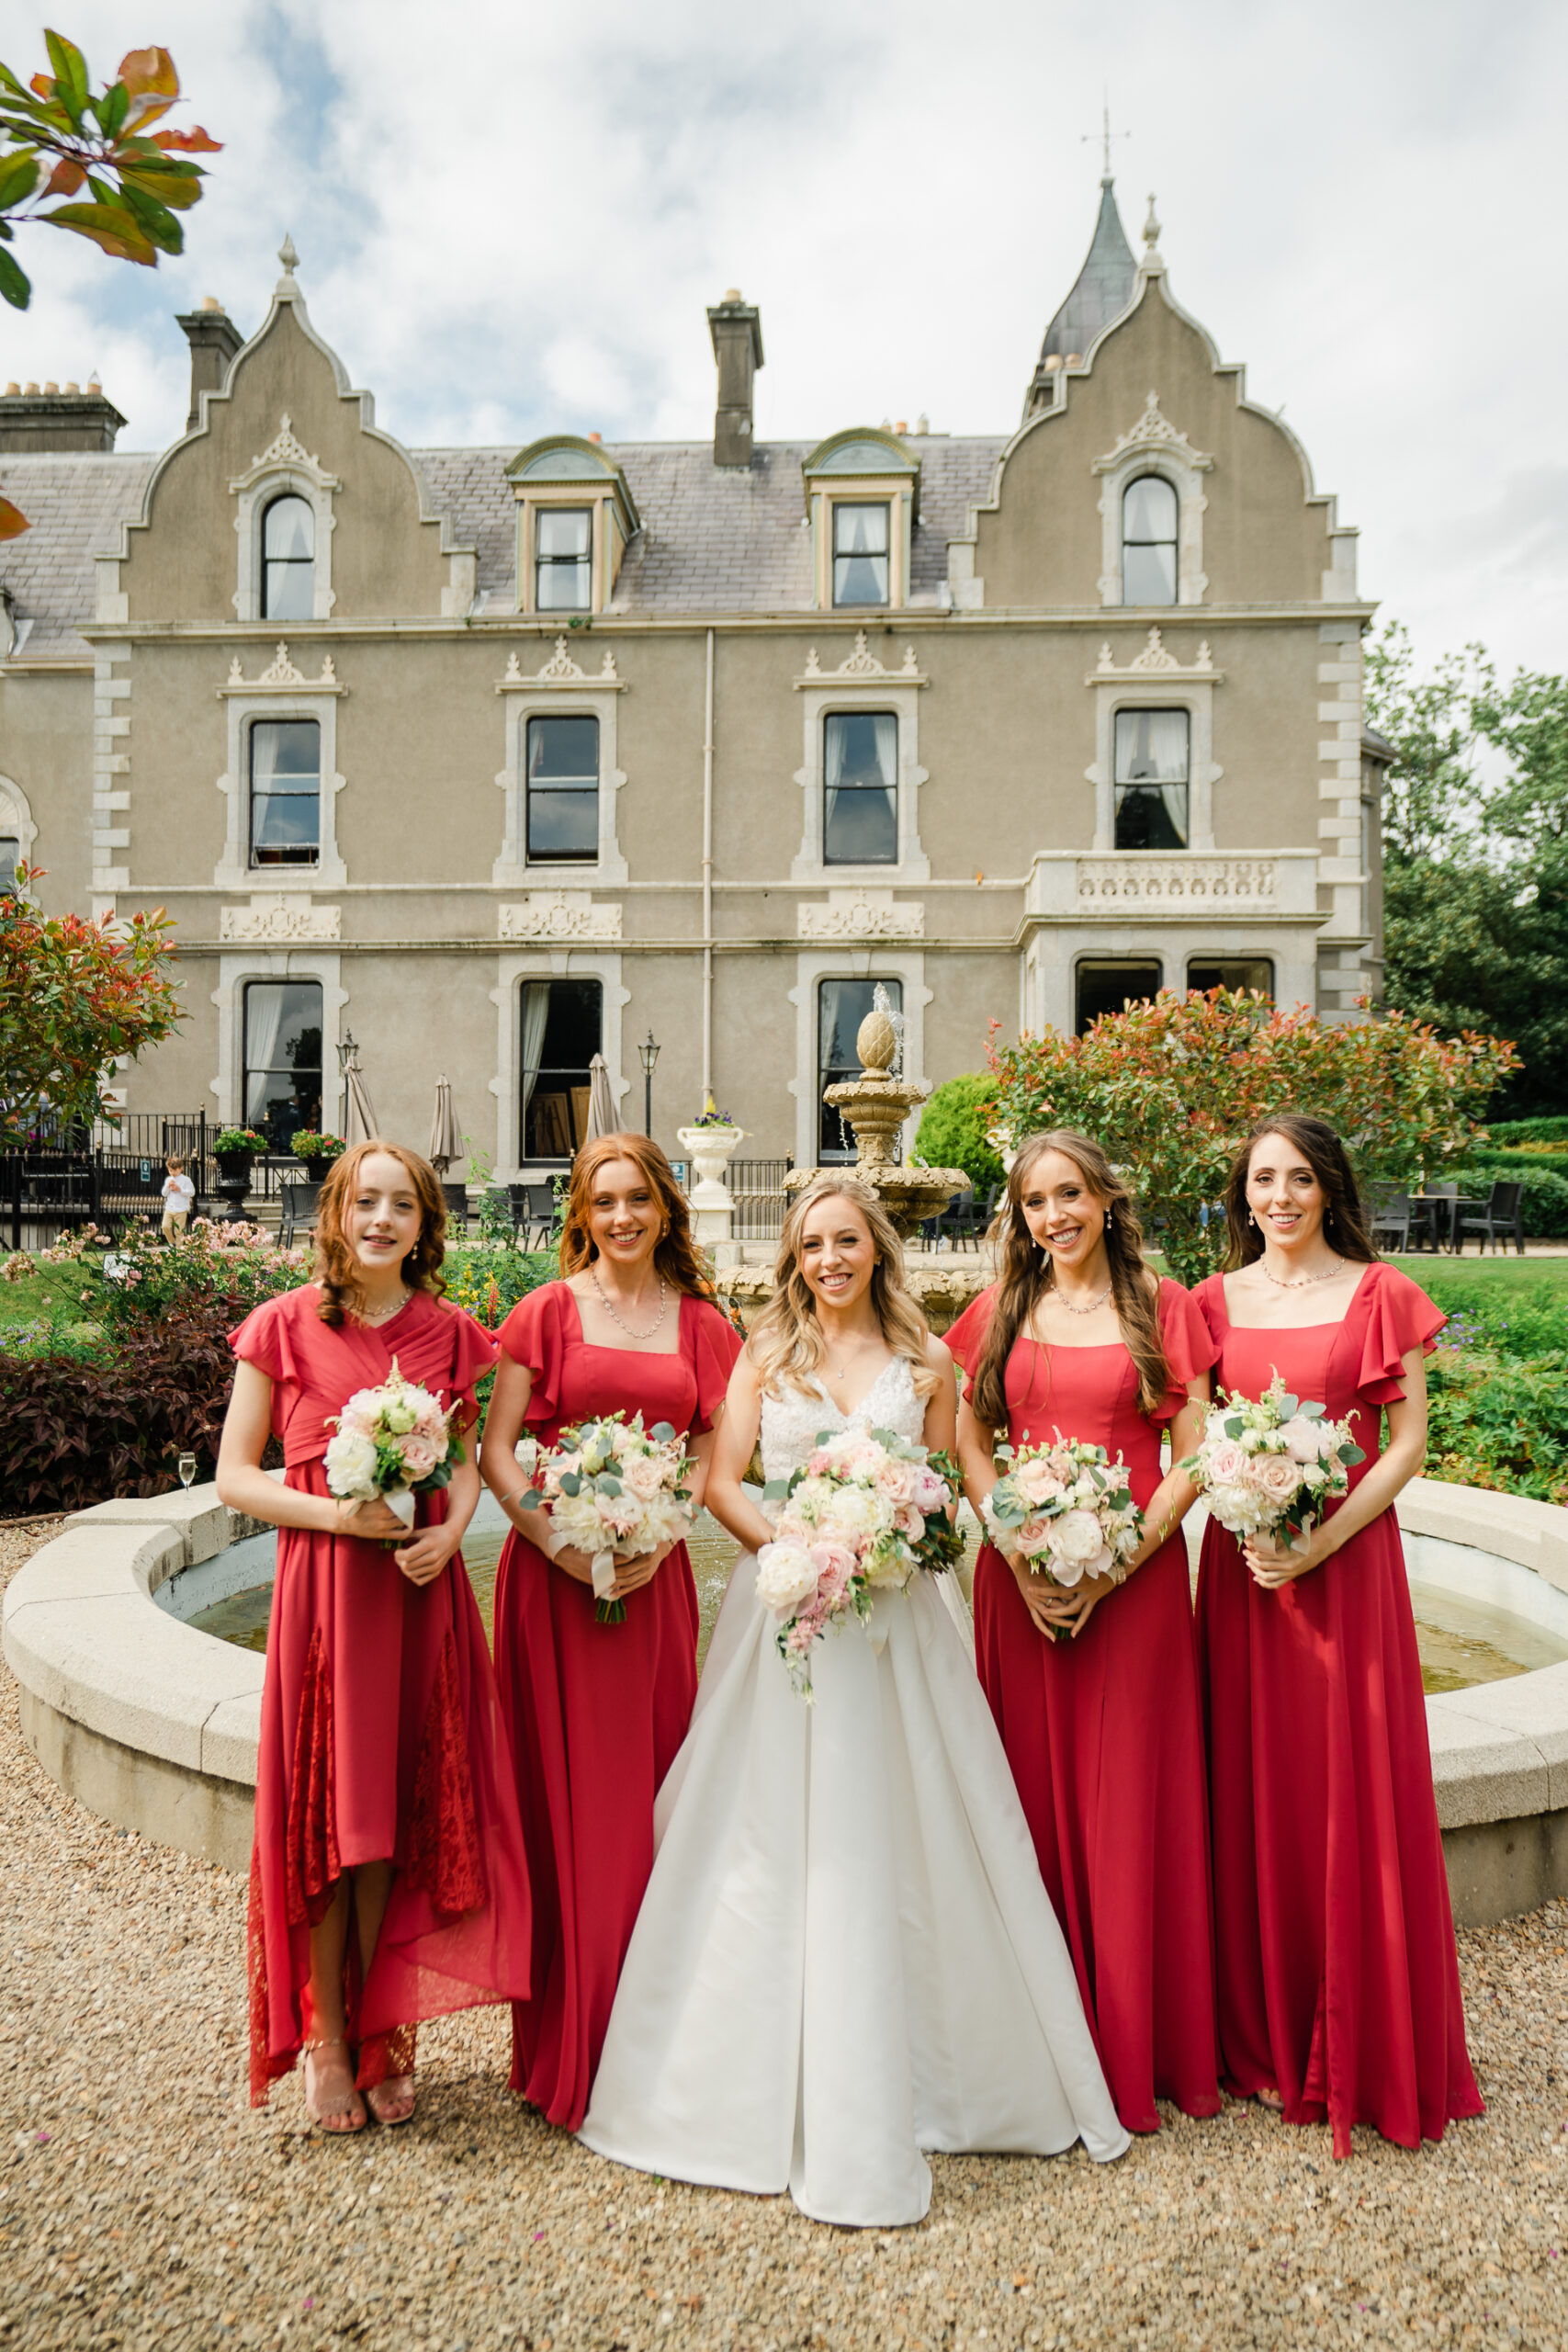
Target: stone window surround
x,y
1154,447
1048,967
848,963
229,996
1174,688
251,700
606,542
861,684
17,818
284,468
545,964
897,494
564,696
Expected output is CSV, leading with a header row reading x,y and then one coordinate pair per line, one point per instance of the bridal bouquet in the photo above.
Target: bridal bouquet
x,y
1268,1463
613,1488
1066,1510
861,1514
396,1441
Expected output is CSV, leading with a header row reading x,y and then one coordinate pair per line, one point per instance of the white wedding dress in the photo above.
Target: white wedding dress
x,y
845,1954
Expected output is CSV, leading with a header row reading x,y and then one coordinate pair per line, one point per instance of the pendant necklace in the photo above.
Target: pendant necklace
x,y
629,1329
1303,1282
384,1314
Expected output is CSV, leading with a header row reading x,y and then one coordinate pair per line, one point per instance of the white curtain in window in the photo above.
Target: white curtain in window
x,y
1152,748
886,727
535,1013
264,1019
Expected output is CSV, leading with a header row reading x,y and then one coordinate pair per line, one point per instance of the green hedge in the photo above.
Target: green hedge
x,y
1548,1131
952,1130
1545,1198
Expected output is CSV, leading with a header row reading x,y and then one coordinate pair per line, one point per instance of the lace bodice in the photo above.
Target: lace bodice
x,y
793,1422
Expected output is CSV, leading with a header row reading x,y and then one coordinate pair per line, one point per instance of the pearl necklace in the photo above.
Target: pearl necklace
x,y
1089,1308
374,1316
1303,1282
629,1329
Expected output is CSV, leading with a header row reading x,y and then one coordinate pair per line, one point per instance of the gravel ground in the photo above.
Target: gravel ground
x,y
144,2204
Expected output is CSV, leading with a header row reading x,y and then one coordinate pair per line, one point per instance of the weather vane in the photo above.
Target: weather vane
x,y
1104,134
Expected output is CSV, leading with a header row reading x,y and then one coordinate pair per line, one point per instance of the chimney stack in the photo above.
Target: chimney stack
x,y
33,421
736,330
214,339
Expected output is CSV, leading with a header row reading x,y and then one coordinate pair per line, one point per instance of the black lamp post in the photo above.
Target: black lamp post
x,y
648,1054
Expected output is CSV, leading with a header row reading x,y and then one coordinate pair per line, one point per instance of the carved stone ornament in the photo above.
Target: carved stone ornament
x,y
861,663
286,450
561,914
283,673
1153,431
862,914
560,669
1177,881
1155,658
282,915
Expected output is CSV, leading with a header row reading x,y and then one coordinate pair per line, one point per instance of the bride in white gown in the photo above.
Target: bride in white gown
x,y
845,1954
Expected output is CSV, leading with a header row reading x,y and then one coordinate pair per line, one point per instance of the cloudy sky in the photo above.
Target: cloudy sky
x,y
510,217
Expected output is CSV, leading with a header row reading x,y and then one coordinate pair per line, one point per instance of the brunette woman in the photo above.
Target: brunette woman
x,y
1095,1690
1340,1994
596,1711
387,1880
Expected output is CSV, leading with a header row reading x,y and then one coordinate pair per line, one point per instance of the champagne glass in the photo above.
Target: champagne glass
x,y
187,1469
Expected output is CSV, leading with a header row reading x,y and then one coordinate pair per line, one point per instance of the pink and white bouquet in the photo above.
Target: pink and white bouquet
x,y
860,1515
1066,1510
1268,1464
397,1441
614,1490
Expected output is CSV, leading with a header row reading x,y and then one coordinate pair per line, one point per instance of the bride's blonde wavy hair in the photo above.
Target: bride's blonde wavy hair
x,y
786,1343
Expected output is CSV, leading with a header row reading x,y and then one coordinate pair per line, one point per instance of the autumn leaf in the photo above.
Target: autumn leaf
x,y
13,521
149,70
191,142
65,178
108,225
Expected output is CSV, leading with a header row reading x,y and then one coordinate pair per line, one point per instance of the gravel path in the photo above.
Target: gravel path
x,y
143,2204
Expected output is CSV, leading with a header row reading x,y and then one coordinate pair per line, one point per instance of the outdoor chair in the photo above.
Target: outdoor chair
x,y
296,1205
1391,1220
1501,1214
538,1214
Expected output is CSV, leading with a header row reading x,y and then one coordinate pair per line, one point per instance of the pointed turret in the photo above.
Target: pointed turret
x,y
1101,292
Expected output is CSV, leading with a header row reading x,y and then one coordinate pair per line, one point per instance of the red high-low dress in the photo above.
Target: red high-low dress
x,y
595,1712
1339,1979
1103,1732
381,1736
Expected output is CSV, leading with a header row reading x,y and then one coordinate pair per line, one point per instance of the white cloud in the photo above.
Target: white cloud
x,y
512,218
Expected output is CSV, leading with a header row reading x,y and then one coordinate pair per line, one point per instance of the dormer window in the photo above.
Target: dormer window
x,y
575,518
288,561
1149,523
860,554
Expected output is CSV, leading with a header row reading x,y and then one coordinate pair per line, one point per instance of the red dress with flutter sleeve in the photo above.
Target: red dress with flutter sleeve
x,y
1338,1978
595,1713
381,1736
1103,1732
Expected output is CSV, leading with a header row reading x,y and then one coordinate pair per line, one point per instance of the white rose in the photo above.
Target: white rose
x,y
351,1464
1075,1537
787,1575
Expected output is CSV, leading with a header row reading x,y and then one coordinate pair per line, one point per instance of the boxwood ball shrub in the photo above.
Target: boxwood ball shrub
x,y
952,1130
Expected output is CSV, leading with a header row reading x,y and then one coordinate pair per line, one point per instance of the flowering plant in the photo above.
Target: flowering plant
x,y
711,1118
311,1143
228,1139
612,1488
1270,1462
396,1441
858,1516
1066,1510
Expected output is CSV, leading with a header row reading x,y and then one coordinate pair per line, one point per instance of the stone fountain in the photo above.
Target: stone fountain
x,y
875,1106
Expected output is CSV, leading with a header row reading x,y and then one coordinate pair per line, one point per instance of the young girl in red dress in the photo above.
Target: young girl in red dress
x,y
387,1880
1095,1690
596,1711
1340,1994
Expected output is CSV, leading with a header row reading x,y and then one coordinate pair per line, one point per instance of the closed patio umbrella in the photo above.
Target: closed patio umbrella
x,y
445,1143
602,1119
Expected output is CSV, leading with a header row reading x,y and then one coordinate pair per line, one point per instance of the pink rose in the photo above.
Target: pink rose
x,y
1032,1537
1301,1438
643,1476
910,1521
1276,1477
1227,1463
1038,1482
420,1456
931,1491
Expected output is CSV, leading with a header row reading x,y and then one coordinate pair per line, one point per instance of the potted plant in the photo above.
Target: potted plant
x,y
316,1150
712,1140
234,1148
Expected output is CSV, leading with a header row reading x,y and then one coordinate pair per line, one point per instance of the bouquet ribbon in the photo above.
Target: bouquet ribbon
x,y
604,1575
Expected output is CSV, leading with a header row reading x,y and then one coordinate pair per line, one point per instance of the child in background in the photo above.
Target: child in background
x,y
179,1199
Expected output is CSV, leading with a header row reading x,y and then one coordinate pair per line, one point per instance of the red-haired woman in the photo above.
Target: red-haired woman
x,y
1340,1995
388,1879
596,1711
1095,1690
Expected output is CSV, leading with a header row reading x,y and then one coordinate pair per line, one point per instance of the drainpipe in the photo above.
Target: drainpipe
x,y
708,880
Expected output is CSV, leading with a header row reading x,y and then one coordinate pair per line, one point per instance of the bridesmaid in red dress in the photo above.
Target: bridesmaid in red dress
x,y
596,1711
1339,1993
387,1879
1095,1691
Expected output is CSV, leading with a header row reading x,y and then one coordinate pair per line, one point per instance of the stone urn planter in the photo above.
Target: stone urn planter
x,y
713,1210
233,1184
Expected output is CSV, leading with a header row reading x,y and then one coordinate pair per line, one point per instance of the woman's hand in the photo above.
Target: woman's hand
x,y
1274,1565
423,1557
632,1575
370,1522
1069,1610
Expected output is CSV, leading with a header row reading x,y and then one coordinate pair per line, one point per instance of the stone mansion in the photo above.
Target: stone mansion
x,y
499,757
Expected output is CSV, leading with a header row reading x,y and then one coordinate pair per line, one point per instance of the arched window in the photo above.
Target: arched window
x,y
288,561
1148,541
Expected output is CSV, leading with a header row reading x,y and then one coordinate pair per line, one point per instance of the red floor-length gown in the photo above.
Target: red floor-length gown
x,y
1338,1978
1103,1732
381,1736
595,1712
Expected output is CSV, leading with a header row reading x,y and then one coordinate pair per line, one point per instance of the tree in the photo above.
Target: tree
x,y
91,163
952,1130
74,995
1170,1088
1431,791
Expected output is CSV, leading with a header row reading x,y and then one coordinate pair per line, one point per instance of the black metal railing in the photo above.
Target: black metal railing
x,y
110,1175
756,1186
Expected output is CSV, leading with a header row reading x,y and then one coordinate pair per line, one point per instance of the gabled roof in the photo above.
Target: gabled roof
x,y
1103,289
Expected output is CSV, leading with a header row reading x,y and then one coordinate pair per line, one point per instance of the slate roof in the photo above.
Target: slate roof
x,y
1103,289
714,538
